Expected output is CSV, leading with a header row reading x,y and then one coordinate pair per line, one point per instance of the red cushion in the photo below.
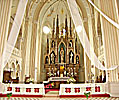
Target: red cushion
x,y
97,89
36,90
9,88
88,88
28,89
77,90
17,89
67,90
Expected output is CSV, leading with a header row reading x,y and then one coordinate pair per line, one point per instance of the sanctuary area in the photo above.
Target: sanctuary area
x,y
59,48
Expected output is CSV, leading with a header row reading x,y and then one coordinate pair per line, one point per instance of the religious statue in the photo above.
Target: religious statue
x,y
58,72
62,55
70,43
52,58
46,61
65,72
53,44
71,57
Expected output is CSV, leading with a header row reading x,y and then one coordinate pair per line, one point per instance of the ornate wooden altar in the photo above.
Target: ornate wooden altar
x,y
62,58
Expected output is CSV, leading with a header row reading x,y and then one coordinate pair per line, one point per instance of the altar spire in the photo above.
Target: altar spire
x,y
53,28
47,45
66,27
57,28
76,45
70,28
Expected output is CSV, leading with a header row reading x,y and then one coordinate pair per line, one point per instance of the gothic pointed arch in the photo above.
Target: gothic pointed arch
x,y
6,67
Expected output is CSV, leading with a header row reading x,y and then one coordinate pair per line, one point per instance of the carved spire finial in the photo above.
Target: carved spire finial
x,y
70,28
53,27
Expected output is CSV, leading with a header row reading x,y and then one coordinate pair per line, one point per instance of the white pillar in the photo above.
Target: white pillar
x,y
28,46
110,37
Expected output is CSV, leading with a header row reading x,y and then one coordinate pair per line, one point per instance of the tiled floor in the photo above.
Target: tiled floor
x,y
54,95
57,98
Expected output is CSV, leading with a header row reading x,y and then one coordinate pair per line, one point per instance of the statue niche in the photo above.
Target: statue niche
x,y
46,60
52,58
70,43
71,57
62,53
53,44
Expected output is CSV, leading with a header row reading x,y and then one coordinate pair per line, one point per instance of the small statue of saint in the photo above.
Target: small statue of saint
x,y
52,58
53,44
46,61
70,43
71,57
62,55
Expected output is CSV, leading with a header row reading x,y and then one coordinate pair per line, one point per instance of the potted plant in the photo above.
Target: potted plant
x,y
9,95
87,94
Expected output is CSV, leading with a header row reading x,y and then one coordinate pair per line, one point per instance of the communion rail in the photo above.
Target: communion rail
x,y
21,90
95,89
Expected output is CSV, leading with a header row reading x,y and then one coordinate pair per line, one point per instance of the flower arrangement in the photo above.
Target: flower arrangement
x,y
30,80
87,95
51,85
9,95
71,80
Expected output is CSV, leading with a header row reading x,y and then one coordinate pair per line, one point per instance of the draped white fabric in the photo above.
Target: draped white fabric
x,y
77,21
13,33
83,36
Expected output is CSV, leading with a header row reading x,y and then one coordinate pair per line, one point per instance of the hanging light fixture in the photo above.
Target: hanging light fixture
x,y
46,29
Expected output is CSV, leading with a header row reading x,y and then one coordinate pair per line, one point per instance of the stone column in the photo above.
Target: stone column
x,y
24,48
110,37
28,46
39,55
33,50
5,10
82,68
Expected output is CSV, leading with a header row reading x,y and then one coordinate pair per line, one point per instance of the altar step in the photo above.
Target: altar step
x,y
52,94
50,89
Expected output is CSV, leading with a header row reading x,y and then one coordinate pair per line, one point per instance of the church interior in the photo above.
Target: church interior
x,y
59,49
